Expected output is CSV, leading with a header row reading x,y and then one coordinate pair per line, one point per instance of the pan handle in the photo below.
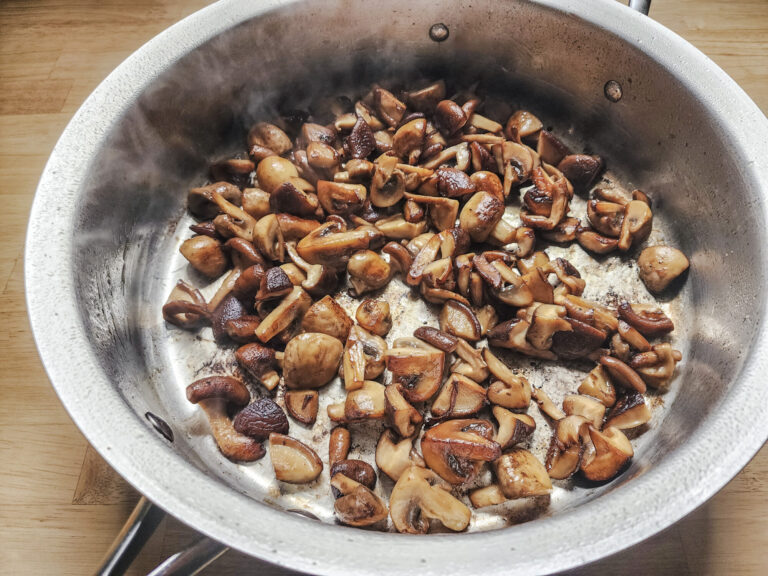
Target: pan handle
x,y
640,5
192,560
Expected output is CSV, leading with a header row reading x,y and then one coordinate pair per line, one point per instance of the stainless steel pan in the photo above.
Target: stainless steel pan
x,y
109,215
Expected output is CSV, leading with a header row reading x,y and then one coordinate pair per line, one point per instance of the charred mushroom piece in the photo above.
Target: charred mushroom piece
x,y
393,457
659,266
657,366
630,411
606,455
213,394
368,272
589,408
622,374
373,315
311,360
420,496
292,307
449,117
338,444
338,198
598,385
272,171
260,419
513,428
459,397
459,319
636,225
418,371
275,283
302,405
455,449
365,403
358,505
565,448
452,182
206,255
293,461
327,317
401,416
185,307
581,170
480,215
521,475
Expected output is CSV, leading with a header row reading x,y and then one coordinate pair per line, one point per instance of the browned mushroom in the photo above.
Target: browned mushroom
x,y
330,246
594,242
657,366
630,411
388,106
268,238
566,446
302,405
426,99
521,475
213,394
363,357
449,117
272,171
260,419
409,138
327,317
393,456
459,397
311,360
358,505
578,342
606,455
636,225
255,202
437,338
367,272
508,390
589,408
649,322
206,255
522,124
365,403
373,315
357,470
338,444
659,266
417,370
622,374
200,200
185,307
513,428
269,136
260,362
545,404
480,215
598,385
293,461
291,307
360,142
581,170
455,449
401,416
442,211
460,320
338,198
470,362
546,321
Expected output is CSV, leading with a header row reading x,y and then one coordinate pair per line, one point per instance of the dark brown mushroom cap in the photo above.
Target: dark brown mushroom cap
x,y
622,374
437,338
449,117
578,342
256,359
453,183
200,200
229,309
248,283
648,323
244,253
289,199
581,170
358,470
242,329
261,418
223,387
360,142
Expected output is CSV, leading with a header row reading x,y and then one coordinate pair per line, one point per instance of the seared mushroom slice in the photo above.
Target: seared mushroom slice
x,y
622,374
470,362
516,162
566,447
185,307
425,256
480,215
357,470
521,475
200,200
268,238
578,342
360,142
649,322
275,283
213,394
230,308
397,228
601,317
449,117
541,290
487,496
546,321
636,225
509,390
409,138
546,405
417,370
311,360
358,505
630,411
594,242
426,99
442,211
401,416
455,449
388,106
459,397
338,198
255,202
292,307
293,461
589,408
522,124
657,366
606,217
393,456
294,228
302,405
368,271
327,317
387,183
206,255
243,329
269,136
260,419
460,320
513,428
437,338
659,266
235,170
338,444
513,289
365,403
420,496
606,455
581,170
329,246
598,385
363,357
260,362
272,171
319,280
294,197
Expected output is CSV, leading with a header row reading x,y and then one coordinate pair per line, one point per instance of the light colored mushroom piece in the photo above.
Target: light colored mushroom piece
x,y
636,226
513,290
256,202
521,475
509,390
657,366
397,228
213,394
487,496
268,238
460,320
425,256
400,414
292,307
339,198
393,457
331,246
480,215
358,505
604,318
327,317
206,255
338,444
459,397
311,360
541,290
373,315
368,271
513,428
470,361
455,449
546,405
630,411
420,496
592,410
409,139
269,136
302,405
442,211
547,319
522,124
565,448
365,403
293,461
598,385
388,182
606,455
659,266
363,357
272,171
418,371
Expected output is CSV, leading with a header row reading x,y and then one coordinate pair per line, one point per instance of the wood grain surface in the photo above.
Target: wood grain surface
x,y
60,503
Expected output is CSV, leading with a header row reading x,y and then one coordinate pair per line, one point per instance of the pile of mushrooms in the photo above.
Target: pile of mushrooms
x,y
414,187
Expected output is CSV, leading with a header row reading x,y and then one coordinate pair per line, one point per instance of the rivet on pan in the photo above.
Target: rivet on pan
x,y
160,425
303,513
439,32
612,91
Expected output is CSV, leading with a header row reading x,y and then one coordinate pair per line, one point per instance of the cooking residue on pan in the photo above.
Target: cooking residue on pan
x,y
330,242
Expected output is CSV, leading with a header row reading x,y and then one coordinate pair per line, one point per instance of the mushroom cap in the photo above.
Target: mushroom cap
x,y
311,360
521,475
659,266
223,387
260,419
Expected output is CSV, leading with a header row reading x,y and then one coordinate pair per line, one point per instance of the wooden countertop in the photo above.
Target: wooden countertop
x,y
61,505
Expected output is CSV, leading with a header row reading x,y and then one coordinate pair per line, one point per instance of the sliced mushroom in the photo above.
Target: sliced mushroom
x,y
400,259
454,449
397,228
480,215
589,408
594,242
426,99
460,320
636,225
417,370
521,475
360,142
269,136
578,342
487,496
206,255
272,171
545,404
365,403
657,366
648,321
541,290
357,470
547,319
622,374
292,307
327,317
293,461
603,318
358,505
442,211
401,416
322,156
509,390
459,397
606,455
329,246
338,444
420,496
268,238
368,271
513,428
598,385
213,394
630,411
338,198
387,106
185,307
516,162
387,183
437,338
522,124
453,182
319,280
470,362
294,228
200,200
513,289
659,266
581,170
449,117
393,457
311,360
373,315
566,447
409,138
302,405
426,255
